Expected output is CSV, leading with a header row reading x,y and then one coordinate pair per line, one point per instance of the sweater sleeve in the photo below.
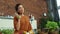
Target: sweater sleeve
x,y
15,22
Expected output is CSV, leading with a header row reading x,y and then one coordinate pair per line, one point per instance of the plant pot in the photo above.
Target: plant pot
x,y
44,31
54,32
0,32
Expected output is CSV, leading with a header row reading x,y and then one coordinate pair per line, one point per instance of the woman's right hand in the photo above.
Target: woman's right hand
x,y
17,15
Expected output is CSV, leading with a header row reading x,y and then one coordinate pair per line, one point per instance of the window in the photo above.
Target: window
x,y
58,6
52,10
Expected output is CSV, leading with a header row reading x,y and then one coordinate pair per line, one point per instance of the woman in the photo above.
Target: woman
x,y
21,22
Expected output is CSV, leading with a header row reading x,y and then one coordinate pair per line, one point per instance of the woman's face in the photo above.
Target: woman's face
x,y
20,9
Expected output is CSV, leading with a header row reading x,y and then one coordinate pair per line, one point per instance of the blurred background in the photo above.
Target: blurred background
x,y
46,9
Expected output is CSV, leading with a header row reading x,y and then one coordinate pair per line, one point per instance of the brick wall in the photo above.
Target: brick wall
x,y
35,7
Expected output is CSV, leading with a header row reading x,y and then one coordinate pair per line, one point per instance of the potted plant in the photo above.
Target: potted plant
x,y
52,26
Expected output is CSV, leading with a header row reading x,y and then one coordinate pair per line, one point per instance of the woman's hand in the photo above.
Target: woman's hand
x,y
31,32
18,16
24,32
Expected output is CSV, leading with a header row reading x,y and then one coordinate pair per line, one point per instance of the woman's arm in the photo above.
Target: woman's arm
x,y
16,23
28,23
30,31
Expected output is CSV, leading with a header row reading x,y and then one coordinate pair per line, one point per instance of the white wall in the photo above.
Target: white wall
x,y
6,23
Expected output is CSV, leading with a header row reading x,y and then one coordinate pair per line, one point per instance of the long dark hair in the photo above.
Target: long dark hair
x,y
16,7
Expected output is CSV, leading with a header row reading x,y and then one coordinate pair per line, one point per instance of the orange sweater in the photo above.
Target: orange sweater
x,y
24,24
